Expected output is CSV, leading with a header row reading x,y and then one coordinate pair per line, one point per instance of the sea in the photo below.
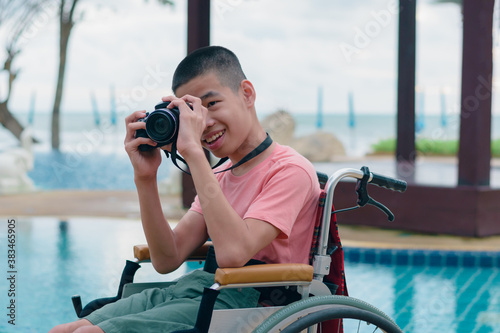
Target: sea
x,y
92,154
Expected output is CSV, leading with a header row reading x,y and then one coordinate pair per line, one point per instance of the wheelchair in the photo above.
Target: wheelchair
x,y
323,304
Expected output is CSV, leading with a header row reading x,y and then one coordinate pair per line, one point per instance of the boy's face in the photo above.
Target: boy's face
x,y
228,120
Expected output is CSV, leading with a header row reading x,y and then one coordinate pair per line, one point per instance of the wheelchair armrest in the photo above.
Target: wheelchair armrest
x,y
264,274
141,252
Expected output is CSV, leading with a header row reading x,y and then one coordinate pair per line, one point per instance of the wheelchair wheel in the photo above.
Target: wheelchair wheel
x,y
358,316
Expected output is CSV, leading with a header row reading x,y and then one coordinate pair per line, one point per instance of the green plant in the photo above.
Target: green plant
x,y
384,146
495,148
430,147
437,147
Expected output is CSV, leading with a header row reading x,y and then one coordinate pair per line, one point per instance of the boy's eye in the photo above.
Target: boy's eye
x,y
212,103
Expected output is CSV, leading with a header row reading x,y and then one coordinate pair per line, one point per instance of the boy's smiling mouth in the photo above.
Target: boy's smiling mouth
x,y
213,141
214,137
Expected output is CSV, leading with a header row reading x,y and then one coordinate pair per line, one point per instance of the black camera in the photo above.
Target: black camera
x,y
162,126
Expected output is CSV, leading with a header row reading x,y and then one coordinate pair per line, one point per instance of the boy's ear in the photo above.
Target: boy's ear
x,y
248,92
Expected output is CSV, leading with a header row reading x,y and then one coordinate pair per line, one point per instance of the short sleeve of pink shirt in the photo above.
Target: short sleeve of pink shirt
x,y
282,190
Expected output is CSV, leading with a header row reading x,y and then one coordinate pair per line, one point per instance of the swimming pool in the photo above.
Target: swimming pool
x,y
70,170
85,256
56,260
429,291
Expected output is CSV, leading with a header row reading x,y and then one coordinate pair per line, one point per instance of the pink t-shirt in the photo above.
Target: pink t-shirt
x,y
282,190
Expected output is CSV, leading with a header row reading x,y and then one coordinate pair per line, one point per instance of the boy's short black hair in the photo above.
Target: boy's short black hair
x,y
211,59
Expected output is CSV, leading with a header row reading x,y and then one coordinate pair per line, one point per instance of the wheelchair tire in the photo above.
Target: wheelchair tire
x,y
344,312
305,313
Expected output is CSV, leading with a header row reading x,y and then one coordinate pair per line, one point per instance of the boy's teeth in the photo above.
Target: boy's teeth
x,y
214,137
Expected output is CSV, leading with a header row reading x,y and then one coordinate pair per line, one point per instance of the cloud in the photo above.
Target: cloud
x,y
287,48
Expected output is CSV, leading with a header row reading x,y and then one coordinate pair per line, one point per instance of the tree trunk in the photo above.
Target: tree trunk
x,y
21,14
9,121
66,24
63,49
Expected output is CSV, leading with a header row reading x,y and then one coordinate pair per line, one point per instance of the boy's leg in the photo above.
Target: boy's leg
x,y
133,304
179,313
180,307
163,310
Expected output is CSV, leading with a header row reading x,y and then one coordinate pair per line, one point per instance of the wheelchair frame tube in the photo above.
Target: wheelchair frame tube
x,y
330,189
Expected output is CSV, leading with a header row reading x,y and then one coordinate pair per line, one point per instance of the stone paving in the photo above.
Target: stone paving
x,y
124,205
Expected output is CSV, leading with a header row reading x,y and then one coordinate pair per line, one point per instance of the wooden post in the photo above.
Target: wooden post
x,y
463,210
198,24
405,145
474,155
198,27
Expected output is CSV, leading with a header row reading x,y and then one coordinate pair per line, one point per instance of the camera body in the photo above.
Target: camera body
x,y
162,126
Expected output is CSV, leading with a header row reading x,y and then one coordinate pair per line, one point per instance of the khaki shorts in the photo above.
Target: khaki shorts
x,y
169,309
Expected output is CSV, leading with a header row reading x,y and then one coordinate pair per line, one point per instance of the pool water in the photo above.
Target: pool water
x,y
430,299
96,171
56,259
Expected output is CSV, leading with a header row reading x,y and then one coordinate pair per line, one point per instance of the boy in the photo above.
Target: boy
x,y
263,209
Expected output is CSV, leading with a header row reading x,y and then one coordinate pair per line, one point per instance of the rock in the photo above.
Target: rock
x,y
280,125
319,147
14,166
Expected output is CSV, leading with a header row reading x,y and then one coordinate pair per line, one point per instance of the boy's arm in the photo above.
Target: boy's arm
x,y
235,240
168,248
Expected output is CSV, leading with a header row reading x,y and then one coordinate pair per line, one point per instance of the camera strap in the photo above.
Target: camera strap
x,y
259,149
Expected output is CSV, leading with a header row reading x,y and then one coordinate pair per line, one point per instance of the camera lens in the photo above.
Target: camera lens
x,y
161,126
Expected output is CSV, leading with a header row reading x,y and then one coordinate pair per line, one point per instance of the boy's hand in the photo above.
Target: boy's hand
x,y
145,163
192,123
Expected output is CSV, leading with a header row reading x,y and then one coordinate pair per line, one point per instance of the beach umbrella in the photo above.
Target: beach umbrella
x,y
31,114
319,115
113,104
420,123
444,120
352,118
97,117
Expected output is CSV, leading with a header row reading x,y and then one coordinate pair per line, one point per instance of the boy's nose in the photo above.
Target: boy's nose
x,y
209,122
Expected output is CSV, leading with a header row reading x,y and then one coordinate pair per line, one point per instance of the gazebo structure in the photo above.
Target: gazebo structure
x,y
198,35
472,208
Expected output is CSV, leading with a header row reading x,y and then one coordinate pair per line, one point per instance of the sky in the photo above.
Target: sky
x,y
288,49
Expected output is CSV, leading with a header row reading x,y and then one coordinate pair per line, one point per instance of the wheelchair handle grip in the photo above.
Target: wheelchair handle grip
x,y
387,182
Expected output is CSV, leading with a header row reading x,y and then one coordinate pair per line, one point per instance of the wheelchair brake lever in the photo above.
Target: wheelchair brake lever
x,y
364,198
390,215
